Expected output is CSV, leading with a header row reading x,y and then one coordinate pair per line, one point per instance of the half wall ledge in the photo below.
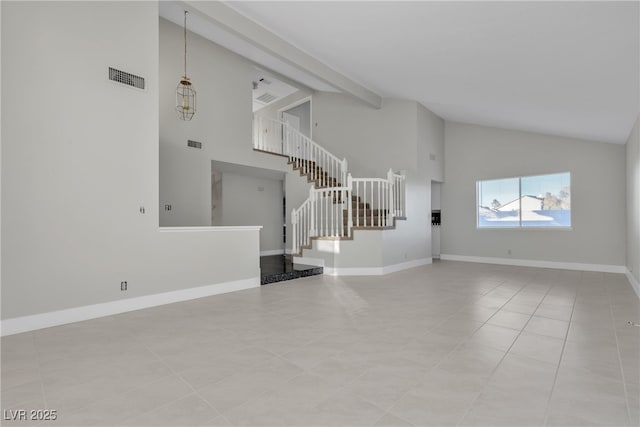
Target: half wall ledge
x,y
211,228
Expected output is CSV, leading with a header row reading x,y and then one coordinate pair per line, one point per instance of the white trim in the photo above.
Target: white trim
x,y
272,252
376,271
288,251
634,283
211,228
406,265
318,262
605,268
17,325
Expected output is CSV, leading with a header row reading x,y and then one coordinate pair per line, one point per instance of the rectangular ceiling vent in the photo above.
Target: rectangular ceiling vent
x,y
194,144
266,98
125,78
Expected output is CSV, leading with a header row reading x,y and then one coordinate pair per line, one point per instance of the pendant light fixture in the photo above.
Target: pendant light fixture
x,y
185,94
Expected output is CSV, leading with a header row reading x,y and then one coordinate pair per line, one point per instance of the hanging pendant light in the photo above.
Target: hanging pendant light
x,y
185,94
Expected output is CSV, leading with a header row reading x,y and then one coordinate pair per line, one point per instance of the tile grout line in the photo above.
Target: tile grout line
x,y
493,371
195,392
388,410
615,334
564,343
80,408
44,395
462,343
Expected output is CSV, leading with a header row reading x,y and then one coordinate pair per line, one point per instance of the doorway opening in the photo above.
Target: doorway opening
x,y
298,116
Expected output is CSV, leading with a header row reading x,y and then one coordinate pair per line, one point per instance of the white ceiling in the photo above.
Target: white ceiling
x,y
563,68
268,84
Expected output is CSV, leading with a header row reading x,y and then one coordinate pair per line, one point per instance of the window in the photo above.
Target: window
x,y
525,202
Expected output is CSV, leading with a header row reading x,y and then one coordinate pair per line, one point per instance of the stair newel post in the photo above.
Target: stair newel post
x,y
254,126
294,232
312,213
314,171
392,198
349,202
345,167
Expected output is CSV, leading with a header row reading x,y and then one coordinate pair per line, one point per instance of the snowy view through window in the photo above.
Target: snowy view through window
x,y
531,201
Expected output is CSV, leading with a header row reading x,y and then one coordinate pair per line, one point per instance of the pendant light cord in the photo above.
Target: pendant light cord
x,y
185,43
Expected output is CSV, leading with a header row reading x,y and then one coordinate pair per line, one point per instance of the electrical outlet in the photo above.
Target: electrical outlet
x,y
123,286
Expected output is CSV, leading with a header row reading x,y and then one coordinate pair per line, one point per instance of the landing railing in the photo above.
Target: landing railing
x,y
326,213
335,212
275,136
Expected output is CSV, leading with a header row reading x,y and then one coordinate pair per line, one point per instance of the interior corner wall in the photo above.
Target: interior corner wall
x,y
633,201
475,153
222,123
79,160
430,134
248,200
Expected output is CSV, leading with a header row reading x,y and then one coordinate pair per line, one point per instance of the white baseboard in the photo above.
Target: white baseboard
x,y
376,271
318,262
272,252
288,251
605,268
634,283
77,314
406,265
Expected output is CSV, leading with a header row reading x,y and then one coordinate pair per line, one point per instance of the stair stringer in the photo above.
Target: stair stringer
x,y
369,252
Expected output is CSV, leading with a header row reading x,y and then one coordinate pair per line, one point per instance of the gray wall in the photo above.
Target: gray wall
x,y
80,156
633,201
475,153
248,200
222,123
430,144
400,136
303,112
373,140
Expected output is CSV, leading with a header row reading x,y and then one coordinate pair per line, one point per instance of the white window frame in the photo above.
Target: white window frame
x,y
520,227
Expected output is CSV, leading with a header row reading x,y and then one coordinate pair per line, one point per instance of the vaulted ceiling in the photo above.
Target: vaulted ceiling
x,y
563,68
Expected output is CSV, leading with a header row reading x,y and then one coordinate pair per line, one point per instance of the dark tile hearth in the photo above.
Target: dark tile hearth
x,y
278,268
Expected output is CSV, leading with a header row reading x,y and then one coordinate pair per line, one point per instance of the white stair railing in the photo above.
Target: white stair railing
x,y
398,198
371,202
334,212
337,202
275,136
377,201
326,213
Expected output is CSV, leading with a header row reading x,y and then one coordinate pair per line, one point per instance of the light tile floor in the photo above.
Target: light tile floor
x,y
447,344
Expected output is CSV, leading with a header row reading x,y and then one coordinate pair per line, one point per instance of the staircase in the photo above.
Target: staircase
x,y
337,203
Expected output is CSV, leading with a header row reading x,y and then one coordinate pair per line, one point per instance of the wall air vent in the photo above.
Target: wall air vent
x,y
266,98
125,78
194,144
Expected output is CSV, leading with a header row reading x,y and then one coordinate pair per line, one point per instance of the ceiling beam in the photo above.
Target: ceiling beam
x,y
235,23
